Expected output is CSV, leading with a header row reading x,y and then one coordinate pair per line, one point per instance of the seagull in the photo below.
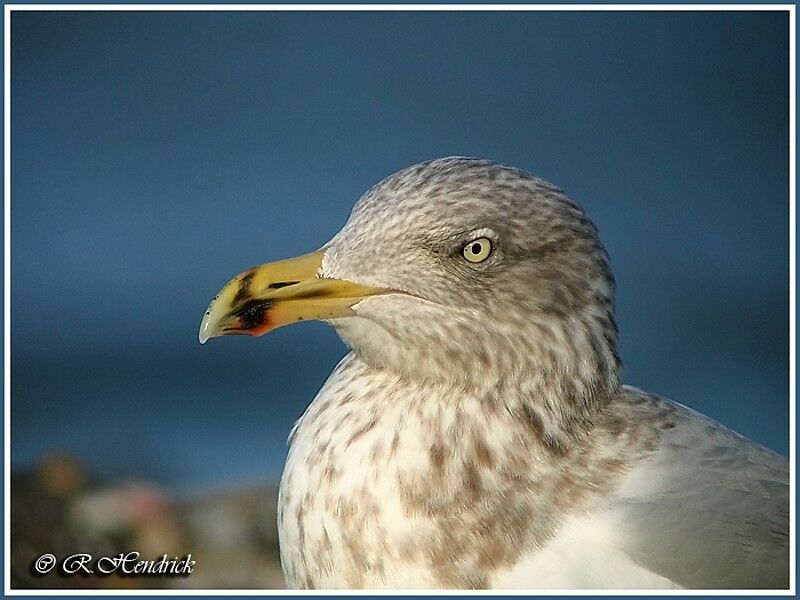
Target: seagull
x,y
477,435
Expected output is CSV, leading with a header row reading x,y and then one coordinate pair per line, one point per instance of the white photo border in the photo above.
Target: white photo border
x,y
9,8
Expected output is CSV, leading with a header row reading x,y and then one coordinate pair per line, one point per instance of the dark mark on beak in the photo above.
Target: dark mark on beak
x,y
252,314
242,292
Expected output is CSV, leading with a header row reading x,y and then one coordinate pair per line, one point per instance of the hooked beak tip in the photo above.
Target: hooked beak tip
x,y
206,330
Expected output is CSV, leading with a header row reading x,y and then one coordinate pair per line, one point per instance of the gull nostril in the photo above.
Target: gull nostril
x,y
281,284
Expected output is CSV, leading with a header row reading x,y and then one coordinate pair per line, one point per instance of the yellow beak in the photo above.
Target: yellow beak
x,y
280,293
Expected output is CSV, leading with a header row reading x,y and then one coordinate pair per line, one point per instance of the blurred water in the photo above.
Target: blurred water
x,y
156,154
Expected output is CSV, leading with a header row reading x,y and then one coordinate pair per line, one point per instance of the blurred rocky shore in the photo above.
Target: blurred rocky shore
x,y
57,507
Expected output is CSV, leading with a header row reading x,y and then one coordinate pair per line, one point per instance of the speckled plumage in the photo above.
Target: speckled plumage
x,y
477,435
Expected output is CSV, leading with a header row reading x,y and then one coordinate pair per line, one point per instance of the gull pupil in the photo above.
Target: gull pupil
x,y
476,248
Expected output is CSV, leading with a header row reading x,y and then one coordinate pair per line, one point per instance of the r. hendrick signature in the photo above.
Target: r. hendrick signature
x,y
124,563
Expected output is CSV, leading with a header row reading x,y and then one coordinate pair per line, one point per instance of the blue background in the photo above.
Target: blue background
x,y
154,155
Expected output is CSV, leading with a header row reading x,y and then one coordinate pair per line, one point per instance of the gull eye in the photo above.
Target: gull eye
x,y
478,250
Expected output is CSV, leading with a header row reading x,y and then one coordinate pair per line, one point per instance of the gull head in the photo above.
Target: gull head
x,y
456,270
